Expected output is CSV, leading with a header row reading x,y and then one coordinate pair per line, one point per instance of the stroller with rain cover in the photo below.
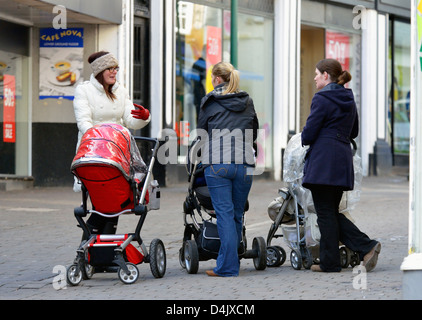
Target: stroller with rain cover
x,y
116,181
294,212
200,240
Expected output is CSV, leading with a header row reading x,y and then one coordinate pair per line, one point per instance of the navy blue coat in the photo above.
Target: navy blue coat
x,y
332,123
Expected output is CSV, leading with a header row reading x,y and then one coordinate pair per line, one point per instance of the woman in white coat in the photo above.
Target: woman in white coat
x,y
103,100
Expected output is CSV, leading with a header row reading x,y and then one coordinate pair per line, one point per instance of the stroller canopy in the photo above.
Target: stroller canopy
x,y
106,162
108,144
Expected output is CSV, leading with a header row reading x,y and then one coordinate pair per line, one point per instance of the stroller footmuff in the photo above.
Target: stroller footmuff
x,y
116,181
294,212
200,240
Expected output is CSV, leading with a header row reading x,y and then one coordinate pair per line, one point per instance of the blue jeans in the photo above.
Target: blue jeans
x,y
229,186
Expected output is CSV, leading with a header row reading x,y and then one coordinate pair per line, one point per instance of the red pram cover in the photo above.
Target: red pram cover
x,y
104,164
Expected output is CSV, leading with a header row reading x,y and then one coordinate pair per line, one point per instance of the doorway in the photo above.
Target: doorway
x,y
312,50
141,66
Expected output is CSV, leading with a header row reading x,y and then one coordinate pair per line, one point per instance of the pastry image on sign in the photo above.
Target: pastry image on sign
x,y
65,79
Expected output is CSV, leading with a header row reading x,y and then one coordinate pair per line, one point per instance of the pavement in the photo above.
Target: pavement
x,y
39,238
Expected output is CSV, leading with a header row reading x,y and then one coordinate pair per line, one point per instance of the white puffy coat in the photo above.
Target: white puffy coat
x,y
92,107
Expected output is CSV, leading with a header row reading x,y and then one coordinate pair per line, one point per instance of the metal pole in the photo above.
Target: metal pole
x,y
234,33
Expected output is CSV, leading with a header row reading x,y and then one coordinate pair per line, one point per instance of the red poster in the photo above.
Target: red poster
x,y
9,109
337,46
214,52
213,45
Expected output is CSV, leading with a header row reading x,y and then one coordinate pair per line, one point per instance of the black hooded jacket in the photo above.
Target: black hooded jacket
x,y
229,125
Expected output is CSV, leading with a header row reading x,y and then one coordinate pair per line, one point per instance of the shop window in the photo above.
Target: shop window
x,y
13,114
312,50
399,84
202,40
198,46
320,43
255,63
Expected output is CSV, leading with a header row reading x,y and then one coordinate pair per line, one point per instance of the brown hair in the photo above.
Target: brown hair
x,y
229,74
99,76
334,70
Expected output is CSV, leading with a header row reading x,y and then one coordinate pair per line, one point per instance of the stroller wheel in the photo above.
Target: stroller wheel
x,y
283,254
307,260
131,277
296,260
87,271
191,256
157,258
73,275
182,257
275,256
354,260
260,261
344,257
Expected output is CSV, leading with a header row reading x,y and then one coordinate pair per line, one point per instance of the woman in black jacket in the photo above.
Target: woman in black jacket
x,y
328,170
229,127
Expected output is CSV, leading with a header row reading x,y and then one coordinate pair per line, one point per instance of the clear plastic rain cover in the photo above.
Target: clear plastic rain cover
x,y
293,164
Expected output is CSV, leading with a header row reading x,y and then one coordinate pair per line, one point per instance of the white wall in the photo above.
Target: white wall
x,y
286,75
374,87
118,39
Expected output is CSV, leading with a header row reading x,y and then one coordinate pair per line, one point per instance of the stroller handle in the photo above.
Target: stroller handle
x,y
151,164
354,146
156,143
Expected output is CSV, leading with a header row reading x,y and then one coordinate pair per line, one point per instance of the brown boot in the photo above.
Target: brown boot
x,y
316,268
211,273
371,258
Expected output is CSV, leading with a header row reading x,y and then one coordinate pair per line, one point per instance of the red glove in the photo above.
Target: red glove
x,y
142,113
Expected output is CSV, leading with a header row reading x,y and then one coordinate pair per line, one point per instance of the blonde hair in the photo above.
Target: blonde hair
x,y
229,74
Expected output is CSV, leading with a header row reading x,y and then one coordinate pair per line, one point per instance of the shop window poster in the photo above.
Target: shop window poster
x,y
61,62
337,47
9,109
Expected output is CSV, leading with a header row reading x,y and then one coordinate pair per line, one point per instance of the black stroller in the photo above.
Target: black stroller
x,y
200,240
294,212
116,181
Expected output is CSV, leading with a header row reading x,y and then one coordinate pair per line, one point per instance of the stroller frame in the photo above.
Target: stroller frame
x,y
301,254
128,272
192,251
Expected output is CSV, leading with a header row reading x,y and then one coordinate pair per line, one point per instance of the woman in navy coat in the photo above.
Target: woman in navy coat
x,y
328,170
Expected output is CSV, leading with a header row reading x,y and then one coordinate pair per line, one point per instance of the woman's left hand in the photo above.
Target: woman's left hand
x,y
140,112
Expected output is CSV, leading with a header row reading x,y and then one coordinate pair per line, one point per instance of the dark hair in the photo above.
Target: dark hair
x,y
334,70
99,76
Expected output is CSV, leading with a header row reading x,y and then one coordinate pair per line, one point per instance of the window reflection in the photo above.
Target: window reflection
x,y
198,47
399,84
202,40
13,114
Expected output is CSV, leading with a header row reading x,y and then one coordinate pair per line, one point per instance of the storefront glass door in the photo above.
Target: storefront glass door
x,y
399,85
14,140
202,40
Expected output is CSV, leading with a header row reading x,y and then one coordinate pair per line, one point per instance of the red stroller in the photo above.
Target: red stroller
x,y
116,181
